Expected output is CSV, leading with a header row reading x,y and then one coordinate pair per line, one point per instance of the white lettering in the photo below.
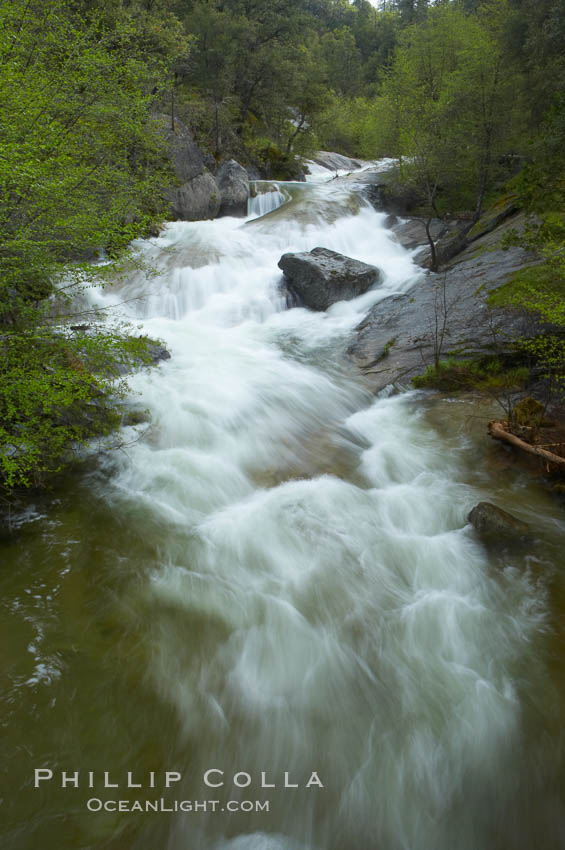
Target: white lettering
x,y
207,778
288,784
107,783
171,776
246,780
41,773
69,779
131,783
314,780
264,783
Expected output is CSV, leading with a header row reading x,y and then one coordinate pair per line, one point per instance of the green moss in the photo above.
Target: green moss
x,y
528,412
386,349
503,205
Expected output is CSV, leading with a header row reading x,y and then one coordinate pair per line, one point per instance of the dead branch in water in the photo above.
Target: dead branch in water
x,y
498,431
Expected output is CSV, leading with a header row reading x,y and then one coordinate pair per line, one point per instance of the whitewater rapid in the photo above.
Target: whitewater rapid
x,y
317,601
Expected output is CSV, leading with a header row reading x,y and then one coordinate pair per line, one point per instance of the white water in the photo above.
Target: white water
x,y
268,198
320,174
316,601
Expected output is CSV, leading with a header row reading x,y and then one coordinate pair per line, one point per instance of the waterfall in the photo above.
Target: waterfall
x,y
268,197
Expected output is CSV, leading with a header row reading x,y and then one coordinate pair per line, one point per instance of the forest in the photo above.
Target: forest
x,y
467,96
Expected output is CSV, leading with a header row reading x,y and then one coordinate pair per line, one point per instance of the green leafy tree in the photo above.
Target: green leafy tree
x,y
81,164
452,96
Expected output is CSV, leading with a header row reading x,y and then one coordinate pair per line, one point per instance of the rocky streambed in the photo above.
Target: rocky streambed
x,y
445,313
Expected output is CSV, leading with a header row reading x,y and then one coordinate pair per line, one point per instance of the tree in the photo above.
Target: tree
x,y
81,164
451,91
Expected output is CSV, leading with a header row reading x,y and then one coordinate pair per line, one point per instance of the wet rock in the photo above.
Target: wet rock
x,y
186,157
412,234
450,243
492,522
157,352
210,163
196,199
494,216
233,185
196,195
336,161
254,173
320,278
386,193
472,328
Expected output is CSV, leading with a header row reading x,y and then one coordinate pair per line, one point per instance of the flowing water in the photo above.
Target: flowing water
x,y
277,577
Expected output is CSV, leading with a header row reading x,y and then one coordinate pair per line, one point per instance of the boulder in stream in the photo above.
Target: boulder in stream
x,y
233,185
320,278
197,199
492,522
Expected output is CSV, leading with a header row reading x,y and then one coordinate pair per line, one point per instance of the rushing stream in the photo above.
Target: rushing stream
x,y
277,576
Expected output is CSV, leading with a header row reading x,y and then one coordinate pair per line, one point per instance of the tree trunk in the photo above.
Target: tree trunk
x,y
431,243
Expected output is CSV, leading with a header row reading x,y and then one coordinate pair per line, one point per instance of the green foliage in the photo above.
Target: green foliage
x,y
57,392
451,98
81,168
487,374
539,290
276,70
356,127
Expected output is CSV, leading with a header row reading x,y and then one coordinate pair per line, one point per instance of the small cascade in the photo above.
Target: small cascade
x,y
268,197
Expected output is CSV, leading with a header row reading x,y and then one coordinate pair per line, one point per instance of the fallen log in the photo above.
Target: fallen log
x,y
498,431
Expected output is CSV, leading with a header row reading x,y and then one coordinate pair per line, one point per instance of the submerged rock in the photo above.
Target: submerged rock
x,y
493,522
233,185
320,278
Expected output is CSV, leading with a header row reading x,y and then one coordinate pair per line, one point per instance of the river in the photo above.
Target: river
x,y
278,577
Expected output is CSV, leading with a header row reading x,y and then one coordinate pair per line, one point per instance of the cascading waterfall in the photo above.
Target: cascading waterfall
x,y
303,592
351,625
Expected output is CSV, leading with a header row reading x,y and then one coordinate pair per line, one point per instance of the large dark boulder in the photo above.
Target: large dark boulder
x,y
495,524
233,185
320,278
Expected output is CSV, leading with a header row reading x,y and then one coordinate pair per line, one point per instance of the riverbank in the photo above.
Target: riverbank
x,y
452,331
446,314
